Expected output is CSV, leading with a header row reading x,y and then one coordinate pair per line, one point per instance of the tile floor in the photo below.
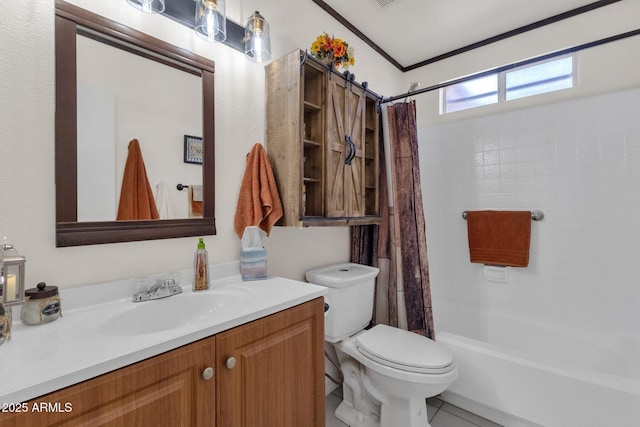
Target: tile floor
x,y
441,414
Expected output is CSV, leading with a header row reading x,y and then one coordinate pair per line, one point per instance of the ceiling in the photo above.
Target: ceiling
x,y
412,33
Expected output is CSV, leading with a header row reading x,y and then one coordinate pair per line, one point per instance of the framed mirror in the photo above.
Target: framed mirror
x,y
96,121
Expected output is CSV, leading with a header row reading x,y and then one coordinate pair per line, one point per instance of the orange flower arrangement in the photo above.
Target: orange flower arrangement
x,y
329,49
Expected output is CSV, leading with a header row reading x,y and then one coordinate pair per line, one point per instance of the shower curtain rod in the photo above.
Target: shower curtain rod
x,y
513,65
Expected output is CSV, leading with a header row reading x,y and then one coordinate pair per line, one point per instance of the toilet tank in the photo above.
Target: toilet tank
x,y
350,297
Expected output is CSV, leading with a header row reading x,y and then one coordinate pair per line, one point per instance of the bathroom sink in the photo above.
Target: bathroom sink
x,y
176,311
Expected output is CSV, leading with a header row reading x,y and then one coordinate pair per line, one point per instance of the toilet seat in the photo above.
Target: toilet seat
x,y
404,350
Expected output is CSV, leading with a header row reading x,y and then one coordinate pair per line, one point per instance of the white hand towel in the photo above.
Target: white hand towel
x,y
197,193
165,208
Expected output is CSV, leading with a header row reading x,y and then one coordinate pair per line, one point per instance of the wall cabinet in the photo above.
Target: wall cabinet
x,y
322,142
269,372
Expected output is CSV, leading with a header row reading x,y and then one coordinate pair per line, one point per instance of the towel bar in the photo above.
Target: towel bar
x,y
535,215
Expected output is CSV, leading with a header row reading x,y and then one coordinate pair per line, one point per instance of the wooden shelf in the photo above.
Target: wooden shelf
x,y
307,145
312,106
321,221
312,144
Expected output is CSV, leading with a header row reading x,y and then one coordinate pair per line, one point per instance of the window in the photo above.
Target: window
x,y
471,94
528,80
540,78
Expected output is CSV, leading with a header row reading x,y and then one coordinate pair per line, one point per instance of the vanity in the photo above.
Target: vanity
x,y
239,354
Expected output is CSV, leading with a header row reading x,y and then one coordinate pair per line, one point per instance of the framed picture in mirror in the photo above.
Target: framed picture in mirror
x,y
192,149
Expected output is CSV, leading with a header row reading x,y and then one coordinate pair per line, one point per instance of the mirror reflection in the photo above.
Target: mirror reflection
x,y
122,97
118,89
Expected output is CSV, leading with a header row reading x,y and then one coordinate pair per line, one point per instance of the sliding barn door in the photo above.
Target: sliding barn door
x,y
345,154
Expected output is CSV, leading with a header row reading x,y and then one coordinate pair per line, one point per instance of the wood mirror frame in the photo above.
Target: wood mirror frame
x,y
70,232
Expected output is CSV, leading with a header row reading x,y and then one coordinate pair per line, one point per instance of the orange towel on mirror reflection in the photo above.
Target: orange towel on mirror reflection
x,y
258,202
136,197
196,203
499,237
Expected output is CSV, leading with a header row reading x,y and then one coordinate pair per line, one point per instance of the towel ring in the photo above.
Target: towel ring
x,y
535,215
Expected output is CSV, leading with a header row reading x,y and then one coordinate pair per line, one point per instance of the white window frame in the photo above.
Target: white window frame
x,y
501,78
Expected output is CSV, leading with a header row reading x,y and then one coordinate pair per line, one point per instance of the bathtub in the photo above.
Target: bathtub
x,y
521,372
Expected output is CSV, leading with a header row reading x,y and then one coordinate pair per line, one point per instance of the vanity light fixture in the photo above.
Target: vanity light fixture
x,y
149,6
211,24
211,20
12,276
257,39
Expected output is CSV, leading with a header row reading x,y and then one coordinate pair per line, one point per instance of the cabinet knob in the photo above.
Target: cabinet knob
x,y
230,363
207,374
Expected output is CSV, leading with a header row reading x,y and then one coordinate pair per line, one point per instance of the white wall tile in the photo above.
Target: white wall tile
x,y
579,162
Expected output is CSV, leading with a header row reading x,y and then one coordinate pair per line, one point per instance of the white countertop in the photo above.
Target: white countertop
x,y
76,347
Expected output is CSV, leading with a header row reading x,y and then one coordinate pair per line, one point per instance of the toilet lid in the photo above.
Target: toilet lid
x,y
404,350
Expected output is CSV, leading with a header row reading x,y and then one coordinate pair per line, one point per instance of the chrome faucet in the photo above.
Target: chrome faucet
x,y
161,289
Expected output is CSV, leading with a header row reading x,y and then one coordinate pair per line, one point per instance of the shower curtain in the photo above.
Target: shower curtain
x,y
398,245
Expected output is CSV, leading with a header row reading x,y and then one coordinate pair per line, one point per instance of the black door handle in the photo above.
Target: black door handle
x,y
351,154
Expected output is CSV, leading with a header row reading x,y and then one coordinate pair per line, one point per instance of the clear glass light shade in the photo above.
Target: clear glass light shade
x,y
257,39
211,20
149,6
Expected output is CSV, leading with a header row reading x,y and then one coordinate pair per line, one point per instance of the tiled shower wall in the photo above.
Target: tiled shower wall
x,y
578,162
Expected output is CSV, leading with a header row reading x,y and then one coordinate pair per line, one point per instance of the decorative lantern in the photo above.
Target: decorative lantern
x,y
12,276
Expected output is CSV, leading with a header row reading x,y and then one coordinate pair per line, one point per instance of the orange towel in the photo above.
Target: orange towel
x,y
499,237
258,203
196,205
136,197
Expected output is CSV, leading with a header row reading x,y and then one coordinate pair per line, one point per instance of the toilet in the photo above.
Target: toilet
x,y
388,373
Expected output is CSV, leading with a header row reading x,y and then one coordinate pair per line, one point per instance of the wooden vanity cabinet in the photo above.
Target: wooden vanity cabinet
x,y
165,390
277,380
271,372
322,142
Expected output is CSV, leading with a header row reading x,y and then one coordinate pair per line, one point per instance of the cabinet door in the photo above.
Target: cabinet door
x,y
271,372
166,390
284,131
345,149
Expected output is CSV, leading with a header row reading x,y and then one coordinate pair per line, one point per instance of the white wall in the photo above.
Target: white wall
x,y
27,188
602,69
96,175
573,154
154,103
577,161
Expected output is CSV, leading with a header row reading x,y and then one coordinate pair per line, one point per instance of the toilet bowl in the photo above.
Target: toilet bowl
x,y
388,372
399,369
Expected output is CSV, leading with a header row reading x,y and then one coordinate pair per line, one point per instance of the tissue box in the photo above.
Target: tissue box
x,y
253,264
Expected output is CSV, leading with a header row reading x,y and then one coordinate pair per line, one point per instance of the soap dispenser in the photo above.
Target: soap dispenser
x,y
201,268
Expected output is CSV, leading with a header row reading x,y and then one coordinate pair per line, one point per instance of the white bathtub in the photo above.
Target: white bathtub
x,y
522,372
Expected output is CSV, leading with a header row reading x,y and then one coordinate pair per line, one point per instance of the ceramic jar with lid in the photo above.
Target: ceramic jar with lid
x,y
42,305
